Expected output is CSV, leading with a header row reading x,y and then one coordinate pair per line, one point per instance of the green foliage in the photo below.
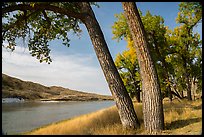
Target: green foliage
x,y
128,68
186,46
189,13
180,49
39,26
120,28
155,30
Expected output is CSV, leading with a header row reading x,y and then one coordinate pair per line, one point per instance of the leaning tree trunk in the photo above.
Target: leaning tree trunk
x,y
152,99
123,101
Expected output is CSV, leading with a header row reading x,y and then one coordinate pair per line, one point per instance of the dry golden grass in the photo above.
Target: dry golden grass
x,y
183,117
84,124
180,118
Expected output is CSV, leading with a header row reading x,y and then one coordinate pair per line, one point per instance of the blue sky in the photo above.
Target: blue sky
x,y
77,67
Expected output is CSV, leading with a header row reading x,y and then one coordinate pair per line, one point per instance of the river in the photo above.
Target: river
x,y
18,117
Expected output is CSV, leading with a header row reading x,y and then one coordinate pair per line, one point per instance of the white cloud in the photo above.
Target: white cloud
x,y
77,71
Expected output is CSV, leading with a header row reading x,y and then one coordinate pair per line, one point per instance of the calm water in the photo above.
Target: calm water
x,y
25,116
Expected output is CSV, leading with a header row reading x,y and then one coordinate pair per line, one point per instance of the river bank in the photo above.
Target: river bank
x,y
181,118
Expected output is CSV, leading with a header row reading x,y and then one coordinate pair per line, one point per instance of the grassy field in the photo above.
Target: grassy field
x,y
181,117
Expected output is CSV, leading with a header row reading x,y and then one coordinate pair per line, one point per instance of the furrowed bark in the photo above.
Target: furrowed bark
x,y
123,101
152,99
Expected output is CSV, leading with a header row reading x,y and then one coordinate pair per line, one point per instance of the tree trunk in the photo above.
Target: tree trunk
x,y
137,90
136,86
169,93
176,94
138,96
193,87
182,94
186,76
123,101
189,96
152,99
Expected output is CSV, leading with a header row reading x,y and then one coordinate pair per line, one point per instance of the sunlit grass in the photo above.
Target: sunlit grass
x,y
84,124
180,118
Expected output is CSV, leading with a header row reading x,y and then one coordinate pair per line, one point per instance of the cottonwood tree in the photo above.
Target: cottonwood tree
x,y
159,48
128,67
186,64
46,21
155,30
186,47
190,14
152,99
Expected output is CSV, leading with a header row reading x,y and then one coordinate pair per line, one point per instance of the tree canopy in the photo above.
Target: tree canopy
x,y
40,23
174,52
155,29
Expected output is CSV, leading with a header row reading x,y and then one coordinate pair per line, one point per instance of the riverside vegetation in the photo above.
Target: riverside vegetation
x,y
181,117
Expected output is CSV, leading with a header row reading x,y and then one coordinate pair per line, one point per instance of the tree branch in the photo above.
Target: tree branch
x,y
46,17
43,6
18,22
176,94
196,22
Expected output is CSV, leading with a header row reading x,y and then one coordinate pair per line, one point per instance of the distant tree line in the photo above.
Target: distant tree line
x,y
177,54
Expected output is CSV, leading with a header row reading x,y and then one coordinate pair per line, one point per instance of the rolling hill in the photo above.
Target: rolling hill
x,y
16,88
